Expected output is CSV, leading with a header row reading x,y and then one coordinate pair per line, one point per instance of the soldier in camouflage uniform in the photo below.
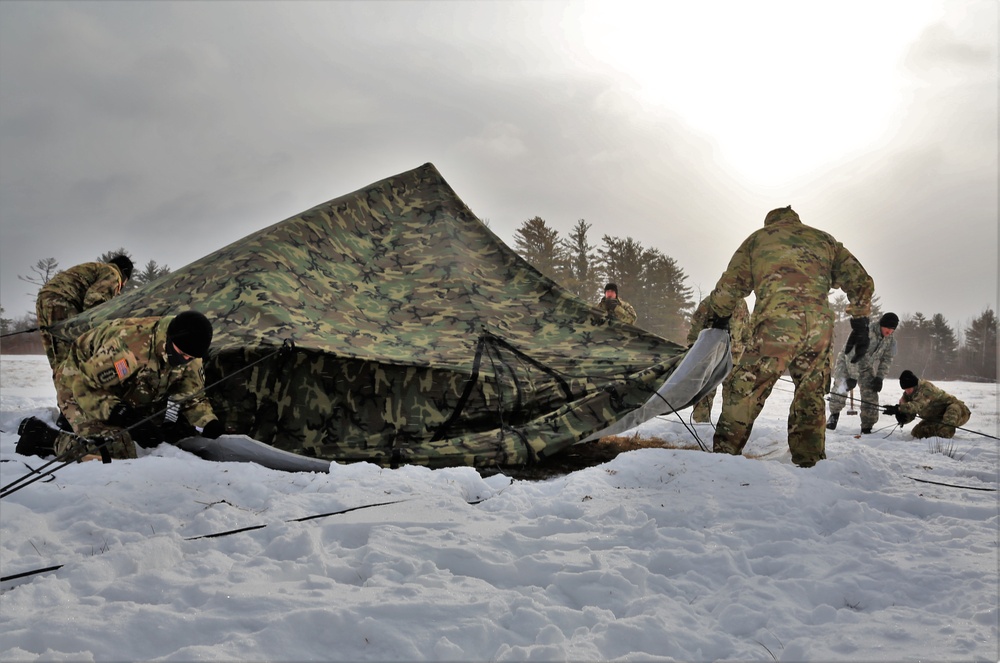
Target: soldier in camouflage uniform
x,y
739,332
869,373
124,370
73,291
939,411
791,268
616,308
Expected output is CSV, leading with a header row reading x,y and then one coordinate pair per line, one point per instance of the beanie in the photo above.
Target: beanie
x,y
123,264
191,332
890,320
907,379
611,286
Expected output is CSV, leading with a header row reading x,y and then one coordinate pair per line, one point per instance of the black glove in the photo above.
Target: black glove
x,y
213,429
716,322
903,419
877,384
122,415
858,340
891,409
851,383
611,303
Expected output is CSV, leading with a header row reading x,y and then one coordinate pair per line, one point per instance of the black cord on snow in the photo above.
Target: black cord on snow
x,y
249,528
951,485
101,444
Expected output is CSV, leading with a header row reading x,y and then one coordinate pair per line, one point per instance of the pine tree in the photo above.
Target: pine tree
x,y
147,274
979,352
539,244
944,350
581,278
44,270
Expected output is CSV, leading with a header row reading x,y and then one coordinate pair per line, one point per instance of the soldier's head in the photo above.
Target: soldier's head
x,y
907,381
611,291
124,266
189,335
888,323
781,214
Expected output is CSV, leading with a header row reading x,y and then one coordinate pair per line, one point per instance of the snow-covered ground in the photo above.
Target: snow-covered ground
x,y
660,554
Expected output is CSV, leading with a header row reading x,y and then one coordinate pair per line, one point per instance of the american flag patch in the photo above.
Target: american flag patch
x,y
121,368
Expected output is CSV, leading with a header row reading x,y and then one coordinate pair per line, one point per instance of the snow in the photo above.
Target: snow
x,y
660,554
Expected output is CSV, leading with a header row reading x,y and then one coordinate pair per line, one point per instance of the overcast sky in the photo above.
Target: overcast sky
x,y
175,128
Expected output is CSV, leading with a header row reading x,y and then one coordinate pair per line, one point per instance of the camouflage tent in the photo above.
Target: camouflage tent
x,y
412,334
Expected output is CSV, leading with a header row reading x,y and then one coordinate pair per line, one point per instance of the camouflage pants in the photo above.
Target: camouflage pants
x,y
117,441
956,414
807,360
870,410
51,310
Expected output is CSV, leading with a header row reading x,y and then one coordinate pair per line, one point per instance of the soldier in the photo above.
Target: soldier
x,y
121,372
869,373
939,411
739,332
73,291
791,268
618,309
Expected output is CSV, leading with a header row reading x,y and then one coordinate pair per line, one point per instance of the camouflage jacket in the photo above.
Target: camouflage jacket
x,y
84,286
739,325
791,268
125,360
927,401
623,311
876,362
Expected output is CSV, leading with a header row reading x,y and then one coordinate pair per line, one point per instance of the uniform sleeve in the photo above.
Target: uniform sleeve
x,y
851,277
886,360
628,313
103,289
198,411
697,321
736,282
110,364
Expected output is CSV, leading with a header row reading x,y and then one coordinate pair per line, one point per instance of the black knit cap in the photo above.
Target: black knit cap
x,y
907,379
191,332
123,264
611,286
890,320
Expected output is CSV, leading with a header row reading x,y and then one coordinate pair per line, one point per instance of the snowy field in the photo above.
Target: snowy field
x,y
658,555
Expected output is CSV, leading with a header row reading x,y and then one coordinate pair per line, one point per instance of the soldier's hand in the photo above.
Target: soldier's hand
x,y
717,322
122,415
613,303
213,429
891,410
851,383
858,340
877,384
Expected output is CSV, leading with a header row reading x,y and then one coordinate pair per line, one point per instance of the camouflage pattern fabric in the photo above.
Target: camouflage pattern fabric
x,y
68,293
125,361
419,337
739,332
622,311
875,364
938,410
791,268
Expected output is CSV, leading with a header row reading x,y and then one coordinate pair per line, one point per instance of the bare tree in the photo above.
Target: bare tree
x,y
43,270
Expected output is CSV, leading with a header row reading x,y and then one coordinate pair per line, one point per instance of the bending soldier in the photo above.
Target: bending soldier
x,y
791,268
869,373
73,291
939,411
122,372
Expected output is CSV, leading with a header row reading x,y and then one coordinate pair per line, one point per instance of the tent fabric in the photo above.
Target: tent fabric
x,y
413,335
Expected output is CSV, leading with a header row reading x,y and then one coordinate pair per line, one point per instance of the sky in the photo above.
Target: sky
x,y
886,550
174,128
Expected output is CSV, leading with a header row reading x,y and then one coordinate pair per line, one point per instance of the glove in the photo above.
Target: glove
x,y
903,419
612,303
891,410
851,383
213,429
122,415
858,340
716,322
877,384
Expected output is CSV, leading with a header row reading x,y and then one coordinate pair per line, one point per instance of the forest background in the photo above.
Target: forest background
x,y
655,285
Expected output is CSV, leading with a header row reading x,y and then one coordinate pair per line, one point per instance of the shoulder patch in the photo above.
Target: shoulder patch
x,y
122,369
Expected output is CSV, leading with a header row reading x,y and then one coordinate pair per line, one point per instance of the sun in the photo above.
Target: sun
x,y
782,88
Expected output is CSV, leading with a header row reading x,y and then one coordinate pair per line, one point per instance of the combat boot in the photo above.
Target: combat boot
x,y
37,438
831,423
865,430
